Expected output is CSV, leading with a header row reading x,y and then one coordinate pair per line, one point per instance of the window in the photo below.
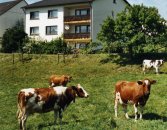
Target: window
x,y
82,29
52,13
79,12
34,30
34,15
114,1
51,30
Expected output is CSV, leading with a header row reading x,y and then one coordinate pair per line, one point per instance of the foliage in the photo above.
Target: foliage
x,y
13,38
107,33
139,26
43,47
93,113
93,47
134,30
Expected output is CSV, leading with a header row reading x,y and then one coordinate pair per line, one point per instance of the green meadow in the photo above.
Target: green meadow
x,y
97,74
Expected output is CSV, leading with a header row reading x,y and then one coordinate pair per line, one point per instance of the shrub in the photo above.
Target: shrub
x,y
43,47
13,39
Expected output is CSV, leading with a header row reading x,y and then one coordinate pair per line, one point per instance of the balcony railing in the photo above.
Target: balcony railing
x,y
76,18
77,36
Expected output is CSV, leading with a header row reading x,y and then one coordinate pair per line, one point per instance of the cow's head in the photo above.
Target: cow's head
x,y
80,91
67,78
146,85
161,62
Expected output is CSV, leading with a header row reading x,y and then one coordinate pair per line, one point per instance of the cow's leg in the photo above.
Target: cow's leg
x,y
55,116
135,108
116,108
116,104
60,115
156,70
144,70
23,122
22,117
141,112
125,111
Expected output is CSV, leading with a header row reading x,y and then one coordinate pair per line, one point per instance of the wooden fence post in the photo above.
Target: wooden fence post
x,y
13,57
58,58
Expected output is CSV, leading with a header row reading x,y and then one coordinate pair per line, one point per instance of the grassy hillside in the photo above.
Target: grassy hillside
x,y
97,74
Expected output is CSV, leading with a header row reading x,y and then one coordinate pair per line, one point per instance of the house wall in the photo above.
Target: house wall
x,y
44,21
9,18
100,10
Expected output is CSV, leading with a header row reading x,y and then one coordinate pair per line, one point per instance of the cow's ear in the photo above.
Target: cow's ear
x,y
153,81
65,78
74,88
140,82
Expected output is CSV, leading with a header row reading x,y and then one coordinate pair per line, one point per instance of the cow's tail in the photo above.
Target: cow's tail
x,y
21,103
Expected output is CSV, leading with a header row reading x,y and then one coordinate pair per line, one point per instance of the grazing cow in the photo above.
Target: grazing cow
x,y
55,80
147,64
135,93
41,100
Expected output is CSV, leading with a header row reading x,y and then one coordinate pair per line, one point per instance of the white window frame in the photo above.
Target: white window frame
x,y
52,30
34,15
34,30
52,14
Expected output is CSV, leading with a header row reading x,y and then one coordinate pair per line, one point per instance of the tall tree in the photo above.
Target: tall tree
x,y
135,28
13,38
107,33
139,25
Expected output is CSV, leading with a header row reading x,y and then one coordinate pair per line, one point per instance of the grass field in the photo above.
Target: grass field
x,y
97,74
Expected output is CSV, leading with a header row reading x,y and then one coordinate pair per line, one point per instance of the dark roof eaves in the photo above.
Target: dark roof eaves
x,y
127,2
12,2
32,7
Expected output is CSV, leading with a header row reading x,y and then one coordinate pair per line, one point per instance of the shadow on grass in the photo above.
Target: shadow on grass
x,y
154,116
41,126
124,59
151,116
121,59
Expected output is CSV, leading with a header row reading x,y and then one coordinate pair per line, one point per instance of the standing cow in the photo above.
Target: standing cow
x,y
147,64
135,93
56,80
41,100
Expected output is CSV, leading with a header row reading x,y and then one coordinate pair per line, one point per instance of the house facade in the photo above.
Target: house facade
x,y
10,13
77,21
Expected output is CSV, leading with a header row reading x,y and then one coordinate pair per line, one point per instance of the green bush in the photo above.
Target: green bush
x,y
43,47
13,39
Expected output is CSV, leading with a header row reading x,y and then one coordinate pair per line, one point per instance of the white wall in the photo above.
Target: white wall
x,y
44,21
100,10
9,18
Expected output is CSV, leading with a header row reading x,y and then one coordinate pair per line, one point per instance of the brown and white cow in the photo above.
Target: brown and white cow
x,y
135,93
41,100
56,80
147,64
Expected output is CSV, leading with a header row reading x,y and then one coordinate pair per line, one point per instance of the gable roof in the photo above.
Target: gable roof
x,y
46,3
4,7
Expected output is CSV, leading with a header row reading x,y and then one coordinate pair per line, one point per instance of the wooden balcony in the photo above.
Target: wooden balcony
x,y
77,19
74,37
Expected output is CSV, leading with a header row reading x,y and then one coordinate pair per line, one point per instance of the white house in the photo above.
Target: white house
x,y
77,21
10,13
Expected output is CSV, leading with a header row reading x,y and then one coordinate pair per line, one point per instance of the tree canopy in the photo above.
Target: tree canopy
x,y
13,38
136,28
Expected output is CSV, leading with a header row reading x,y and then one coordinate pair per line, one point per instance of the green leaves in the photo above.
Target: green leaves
x,y
13,39
137,26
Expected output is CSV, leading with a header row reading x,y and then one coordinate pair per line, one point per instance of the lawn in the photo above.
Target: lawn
x,y
97,74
